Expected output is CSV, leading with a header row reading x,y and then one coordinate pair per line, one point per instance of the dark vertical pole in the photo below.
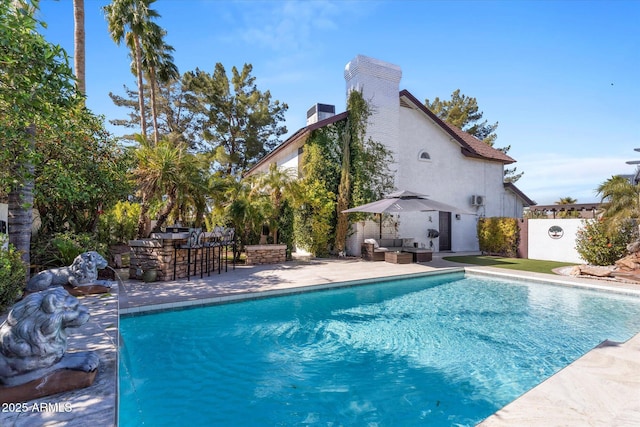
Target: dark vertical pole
x,y
175,260
233,249
188,263
208,260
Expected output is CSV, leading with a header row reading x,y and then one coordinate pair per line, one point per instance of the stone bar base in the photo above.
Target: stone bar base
x,y
265,254
166,252
53,383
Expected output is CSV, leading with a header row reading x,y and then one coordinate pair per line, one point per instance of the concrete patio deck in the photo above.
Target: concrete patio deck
x,y
602,385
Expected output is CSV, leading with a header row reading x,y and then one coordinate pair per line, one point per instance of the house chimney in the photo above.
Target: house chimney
x,y
379,83
320,112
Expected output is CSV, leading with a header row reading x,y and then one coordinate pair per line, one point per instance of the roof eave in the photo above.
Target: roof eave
x,y
512,187
465,148
301,133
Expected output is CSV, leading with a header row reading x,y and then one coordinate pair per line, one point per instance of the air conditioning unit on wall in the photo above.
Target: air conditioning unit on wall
x,y
477,200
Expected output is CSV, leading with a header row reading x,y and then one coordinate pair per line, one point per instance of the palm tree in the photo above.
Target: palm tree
x,y
567,201
276,184
187,186
244,209
127,21
159,173
192,197
621,201
78,45
157,63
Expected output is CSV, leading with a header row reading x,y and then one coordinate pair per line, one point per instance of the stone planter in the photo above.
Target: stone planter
x,y
265,254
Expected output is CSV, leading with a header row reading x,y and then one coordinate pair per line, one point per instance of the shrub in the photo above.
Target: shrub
x,y
597,247
285,227
498,235
119,224
12,275
61,249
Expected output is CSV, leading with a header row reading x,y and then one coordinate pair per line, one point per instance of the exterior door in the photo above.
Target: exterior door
x,y
445,231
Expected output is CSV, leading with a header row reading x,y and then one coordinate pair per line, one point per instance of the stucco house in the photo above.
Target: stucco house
x,y
430,157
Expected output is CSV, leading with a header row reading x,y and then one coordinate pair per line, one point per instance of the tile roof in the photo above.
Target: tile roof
x,y
470,145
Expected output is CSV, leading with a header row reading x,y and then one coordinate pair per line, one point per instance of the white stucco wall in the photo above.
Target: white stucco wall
x,y
448,177
4,216
286,158
511,205
543,246
4,212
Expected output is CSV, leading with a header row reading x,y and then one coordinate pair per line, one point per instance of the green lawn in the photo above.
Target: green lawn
x,y
534,265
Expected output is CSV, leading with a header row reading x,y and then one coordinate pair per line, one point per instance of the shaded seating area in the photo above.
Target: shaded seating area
x,y
375,250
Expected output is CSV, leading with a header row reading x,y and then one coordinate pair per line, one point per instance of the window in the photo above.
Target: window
x,y
424,156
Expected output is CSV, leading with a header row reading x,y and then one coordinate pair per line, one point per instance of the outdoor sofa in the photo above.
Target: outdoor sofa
x,y
374,250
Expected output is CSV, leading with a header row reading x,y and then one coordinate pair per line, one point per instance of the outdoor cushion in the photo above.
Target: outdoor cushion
x,y
373,241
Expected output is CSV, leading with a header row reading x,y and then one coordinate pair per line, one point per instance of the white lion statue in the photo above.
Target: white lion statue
x,y
83,272
33,339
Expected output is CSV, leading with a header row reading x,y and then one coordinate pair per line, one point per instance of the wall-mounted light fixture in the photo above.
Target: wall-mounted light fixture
x,y
457,216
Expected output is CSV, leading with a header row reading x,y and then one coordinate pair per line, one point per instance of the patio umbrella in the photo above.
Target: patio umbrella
x,y
404,201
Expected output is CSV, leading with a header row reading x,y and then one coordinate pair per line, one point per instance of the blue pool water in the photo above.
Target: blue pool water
x,y
439,350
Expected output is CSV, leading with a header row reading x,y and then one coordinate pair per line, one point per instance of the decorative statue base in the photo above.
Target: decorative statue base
x,y
55,382
87,290
33,344
80,278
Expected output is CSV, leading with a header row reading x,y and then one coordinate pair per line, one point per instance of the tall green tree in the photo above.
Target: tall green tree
x,y
36,89
239,123
463,112
127,22
81,172
175,118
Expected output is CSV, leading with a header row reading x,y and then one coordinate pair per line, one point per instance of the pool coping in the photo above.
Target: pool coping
x,y
240,297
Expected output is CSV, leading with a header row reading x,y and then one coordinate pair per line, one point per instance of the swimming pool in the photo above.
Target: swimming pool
x,y
433,350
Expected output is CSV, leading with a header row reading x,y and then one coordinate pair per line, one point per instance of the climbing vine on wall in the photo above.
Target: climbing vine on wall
x,y
349,168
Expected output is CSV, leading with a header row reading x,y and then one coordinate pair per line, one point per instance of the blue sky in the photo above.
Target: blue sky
x,y
560,77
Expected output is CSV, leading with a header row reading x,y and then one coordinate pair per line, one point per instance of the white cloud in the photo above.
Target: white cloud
x,y
290,26
551,177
